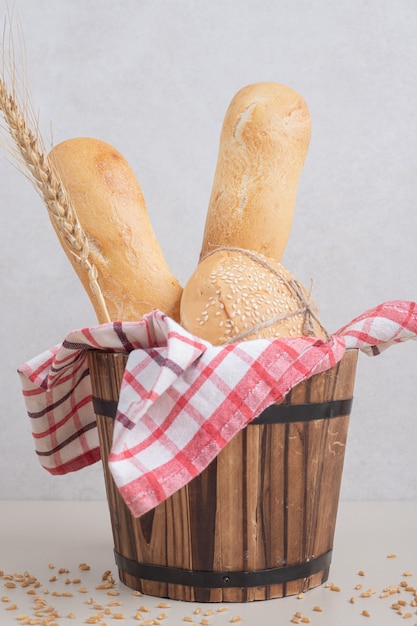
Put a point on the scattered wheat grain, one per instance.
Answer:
(84, 567)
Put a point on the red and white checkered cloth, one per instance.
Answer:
(182, 399)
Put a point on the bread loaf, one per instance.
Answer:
(132, 272)
(237, 295)
(263, 145)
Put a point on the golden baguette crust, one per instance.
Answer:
(233, 295)
(132, 272)
(263, 146)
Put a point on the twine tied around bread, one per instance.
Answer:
(304, 301)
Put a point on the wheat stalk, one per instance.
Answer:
(29, 147)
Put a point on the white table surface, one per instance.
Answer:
(34, 536)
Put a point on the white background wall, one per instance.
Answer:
(154, 78)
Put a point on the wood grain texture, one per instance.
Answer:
(269, 499)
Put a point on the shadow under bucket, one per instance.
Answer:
(259, 522)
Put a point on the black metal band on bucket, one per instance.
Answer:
(285, 413)
(107, 408)
(211, 580)
(274, 414)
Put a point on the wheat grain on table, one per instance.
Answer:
(67, 548)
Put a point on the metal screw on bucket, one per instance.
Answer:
(226, 579)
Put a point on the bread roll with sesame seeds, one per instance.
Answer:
(132, 272)
(263, 146)
(236, 295)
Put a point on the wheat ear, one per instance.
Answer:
(28, 146)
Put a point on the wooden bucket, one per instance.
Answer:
(259, 522)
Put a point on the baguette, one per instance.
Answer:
(263, 145)
(133, 275)
(236, 295)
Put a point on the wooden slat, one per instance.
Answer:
(269, 499)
